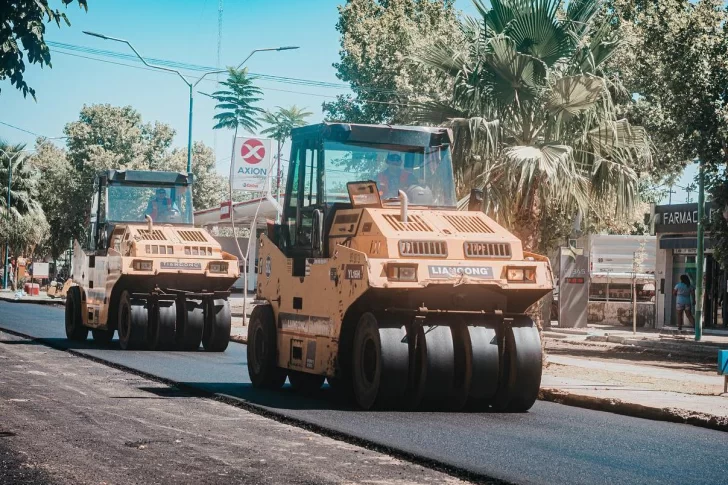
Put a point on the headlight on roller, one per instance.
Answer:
(142, 265)
(521, 275)
(515, 274)
(402, 272)
(218, 267)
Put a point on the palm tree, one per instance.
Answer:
(280, 125)
(236, 104)
(23, 184)
(533, 115)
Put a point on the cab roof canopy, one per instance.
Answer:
(144, 177)
(422, 136)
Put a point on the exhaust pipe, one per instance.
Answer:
(403, 201)
(150, 224)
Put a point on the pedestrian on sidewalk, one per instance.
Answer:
(685, 294)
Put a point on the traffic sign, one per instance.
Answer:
(252, 164)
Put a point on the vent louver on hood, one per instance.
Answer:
(468, 224)
(153, 235)
(192, 236)
(414, 223)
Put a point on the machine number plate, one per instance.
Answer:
(440, 271)
(179, 265)
(354, 272)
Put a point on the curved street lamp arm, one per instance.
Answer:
(153, 66)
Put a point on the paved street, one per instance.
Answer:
(550, 444)
(66, 419)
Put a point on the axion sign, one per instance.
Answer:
(251, 167)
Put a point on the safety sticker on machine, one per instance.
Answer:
(309, 323)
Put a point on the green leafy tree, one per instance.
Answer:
(533, 114)
(22, 28)
(210, 187)
(58, 194)
(280, 125)
(378, 38)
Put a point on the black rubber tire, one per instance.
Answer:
(485, 366)
(462, 379)
(304, 382)
(439, 367)
(162, 328)
(521, 366)
(380, 363)
(102, 336)
(190, 325)
(416, 381)
(262, 351)
(133, 322)
(75, 329)
(218, 322)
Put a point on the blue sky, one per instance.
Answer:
(183, 31)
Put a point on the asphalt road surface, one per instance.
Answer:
(550, 444)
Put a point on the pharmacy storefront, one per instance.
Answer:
(676, 229)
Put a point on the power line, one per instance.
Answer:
(30, 132)
(212, 80)
(200, 68)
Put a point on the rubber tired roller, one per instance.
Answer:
(375, 282)
(145, 270)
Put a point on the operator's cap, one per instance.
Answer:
(394, 159)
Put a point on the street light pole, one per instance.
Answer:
(187, 81)
(701, 253)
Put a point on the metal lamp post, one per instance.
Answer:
(191, 85)
(701, 252)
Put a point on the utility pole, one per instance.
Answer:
(670, 192)
(701, 253)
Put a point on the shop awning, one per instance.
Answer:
(683, 243)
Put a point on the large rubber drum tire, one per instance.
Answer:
(190, 325)
(218, 321)
(304, 382)
(485, 366)
(262, 350)
(101, 336)
(133, 322)
(380, 363)
(162, 329)
(75, 329)
(439, 366)
(520, 378)
(463, 366)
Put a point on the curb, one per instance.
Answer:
(617, 406)
(33, 302)
(241, 339)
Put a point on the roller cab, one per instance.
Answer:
(375, 282)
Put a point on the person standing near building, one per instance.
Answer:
(684, 303)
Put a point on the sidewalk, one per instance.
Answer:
(43, 298)
(654, 375)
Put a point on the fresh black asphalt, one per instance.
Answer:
(552, 443)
